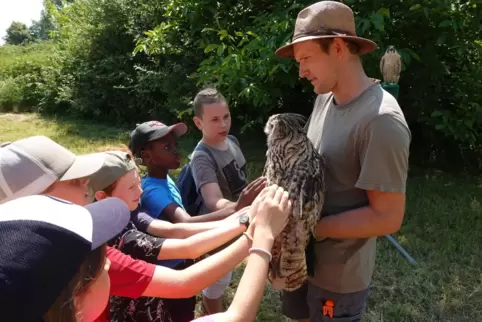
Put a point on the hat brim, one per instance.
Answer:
(179, 129)
(109, 217)
(366, 45)
(84, 166)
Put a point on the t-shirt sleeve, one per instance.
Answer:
(203, 170)
(128, 277)
(155, 200)
(384, 155)
(141, 220)
(141, 246)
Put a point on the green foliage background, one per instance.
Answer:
(126, 61)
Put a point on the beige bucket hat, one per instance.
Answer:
(325, 19)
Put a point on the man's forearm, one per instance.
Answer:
(358, 223)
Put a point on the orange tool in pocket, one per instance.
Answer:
(328, 308)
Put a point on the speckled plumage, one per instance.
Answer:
(293, 163)
(391, 66)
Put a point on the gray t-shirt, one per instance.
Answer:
(228, 171)
(365, 144)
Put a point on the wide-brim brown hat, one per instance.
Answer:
(326, 19)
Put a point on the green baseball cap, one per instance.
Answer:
(151, 131)
(116, 164)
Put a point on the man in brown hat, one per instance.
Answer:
(361, 131)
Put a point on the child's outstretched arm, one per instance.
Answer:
(270, 221)
(206, 179)
(169, 283)
(199, 244)
(213, 198)
(163, 228)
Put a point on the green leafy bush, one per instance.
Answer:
(126, 61)
(24, 72)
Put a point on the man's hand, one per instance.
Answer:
(250, 192)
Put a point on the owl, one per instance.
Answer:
(391, 66)
(294, 164)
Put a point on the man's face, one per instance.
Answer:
(318, 67)
(163, 153)
(215, 122)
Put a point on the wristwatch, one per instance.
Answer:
(244, 219)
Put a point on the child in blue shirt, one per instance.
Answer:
(156, 144)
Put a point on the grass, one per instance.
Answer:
(442, 230)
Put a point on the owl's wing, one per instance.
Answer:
(301, 200)
(398, 65)
(382, 62)
(311, 191)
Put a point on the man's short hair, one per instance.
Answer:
(206, 96)
(325, 44)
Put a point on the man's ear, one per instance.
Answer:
(99, 195)
(198, 122)
(340, 48)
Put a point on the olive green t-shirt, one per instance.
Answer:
(365, 144)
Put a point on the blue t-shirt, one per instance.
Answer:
(158, 194)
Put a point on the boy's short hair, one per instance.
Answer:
(208, 95)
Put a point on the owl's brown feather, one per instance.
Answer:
(293, 163)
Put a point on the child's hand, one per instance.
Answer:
(273, 208)
(250, 192)
(253, 209)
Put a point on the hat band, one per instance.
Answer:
(323, 32)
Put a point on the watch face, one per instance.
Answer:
(243, 219)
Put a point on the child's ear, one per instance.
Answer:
(198, 122)
(99, 195)
(144, 156)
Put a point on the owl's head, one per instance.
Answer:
(284, 126)
(390, 49)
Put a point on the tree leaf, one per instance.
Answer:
(440, 126)
(415, 7)
(210, 48)
(445, 23)
(378, 22)
(384, 12)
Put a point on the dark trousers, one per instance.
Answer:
(310, 302)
